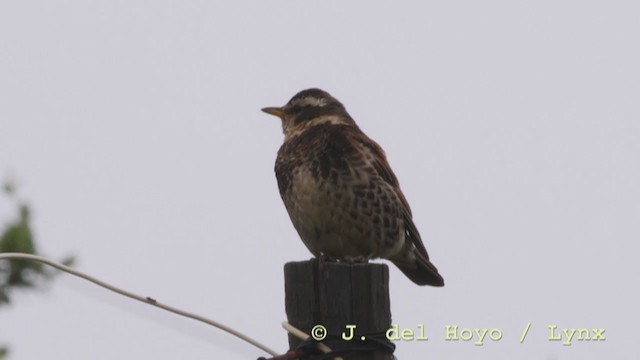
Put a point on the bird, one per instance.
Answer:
(340, 193)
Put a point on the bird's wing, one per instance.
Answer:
(381, 165)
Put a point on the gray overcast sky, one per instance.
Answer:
(134, 130)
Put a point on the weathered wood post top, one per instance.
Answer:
(342, 298)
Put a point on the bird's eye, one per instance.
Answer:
(296, 109)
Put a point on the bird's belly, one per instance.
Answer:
(334, 220)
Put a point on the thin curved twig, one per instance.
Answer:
(144, 299)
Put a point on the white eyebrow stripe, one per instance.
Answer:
(311, 101)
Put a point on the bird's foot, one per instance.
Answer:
(326, 258)
(356, 259)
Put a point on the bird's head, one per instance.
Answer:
(309, 108)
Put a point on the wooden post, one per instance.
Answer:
(335, 295)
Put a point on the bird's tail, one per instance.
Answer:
(418, 268)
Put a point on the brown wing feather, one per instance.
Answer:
(383, 169)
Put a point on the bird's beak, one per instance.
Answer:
(276, 111)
